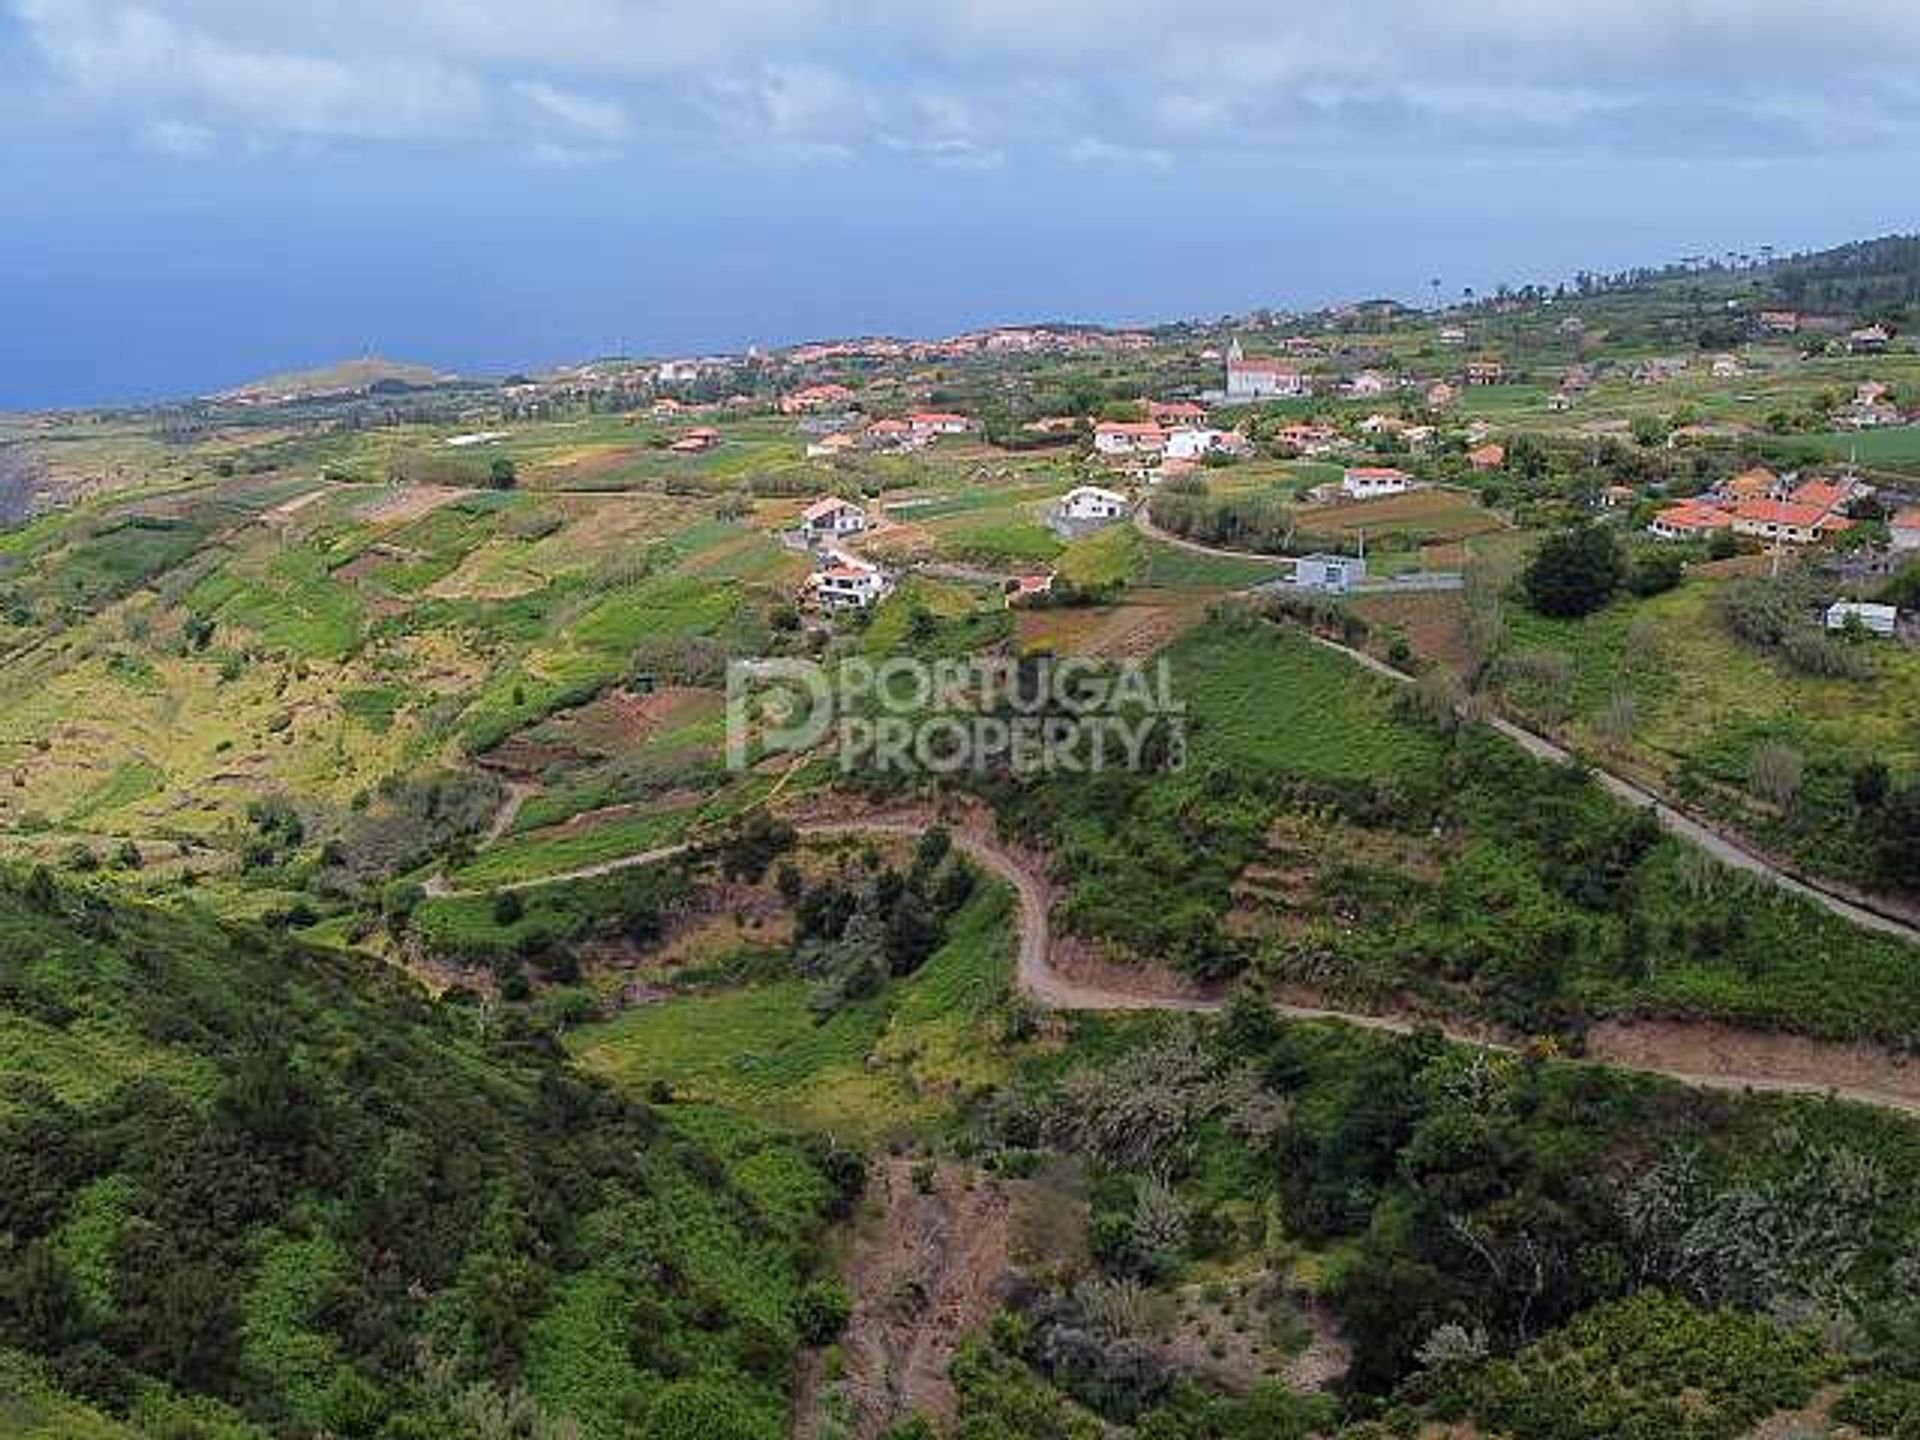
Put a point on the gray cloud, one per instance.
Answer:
(967, 82)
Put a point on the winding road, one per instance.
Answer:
(1803, 1068)
(1040, 978)
(1723, 845)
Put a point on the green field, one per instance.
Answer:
(880, 1067)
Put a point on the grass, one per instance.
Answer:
(1173, 567)
(289, 599)
(1704, 701)
(870, 1069)
(1108, 557)
(1892, 445)
(539, 853)
(1009, 543)
(1261, 698)
(129, 784)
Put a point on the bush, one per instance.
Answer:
(705, 1410)
(821, 1312)
(1654, 572)
(1574, 572)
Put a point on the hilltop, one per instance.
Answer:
(345, 377)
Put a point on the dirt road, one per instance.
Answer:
(1690, 1054)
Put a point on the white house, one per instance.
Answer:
(1369, 382)
(1370, 482)
(1090, 502)
(829, 446)
(1334, 573)
(1876, 619)
(1195, 442)
(846, 583)
(1260, 379)
(1905, 529)
(929, 423)
(1128, 437)
(831, 518)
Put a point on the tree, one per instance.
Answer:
(502, 474)
(1655, 572)
(1527, 457)
(1575, 572)
(1898, 849)
(40, 1305)
(1872, 783)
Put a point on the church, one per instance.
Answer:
(1260, 379)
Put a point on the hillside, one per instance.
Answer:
(346, 377)
(280, 1193)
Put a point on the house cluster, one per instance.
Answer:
(1149, 439)
(1005, 340)
(840, 580)
(1759, 505)
(810, 399)
(889, 436)
(1872, 406)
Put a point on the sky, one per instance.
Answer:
(197, 192)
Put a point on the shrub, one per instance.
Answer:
(1654, 572)
(821, 1312)
(1775, 773)
(1574, 572)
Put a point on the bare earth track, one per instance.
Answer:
(1702, 1056)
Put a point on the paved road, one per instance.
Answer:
(1720, 844)
(1723, 845)
(1143, 522)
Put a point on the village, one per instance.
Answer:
(1544, 815)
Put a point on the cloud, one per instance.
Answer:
(130, 58)
(970, 83)
(1092, 150)
(604, 120)
(179, 139)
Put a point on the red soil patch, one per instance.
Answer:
(1712, 1050)
(410, 502)
(1444, 514)
(1119, 632)
(1086, 962)
(1435, 625)
(925, 1272)
(622, 720)
(526, 759)
(591, 467)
